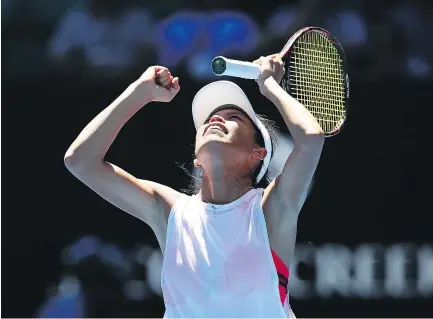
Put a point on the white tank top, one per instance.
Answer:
(218, 262)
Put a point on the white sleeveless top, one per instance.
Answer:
(218, 262)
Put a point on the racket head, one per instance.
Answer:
(316, 75)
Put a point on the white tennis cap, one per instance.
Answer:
(220, 93)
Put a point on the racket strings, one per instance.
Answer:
(315, 78)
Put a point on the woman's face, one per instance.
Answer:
(229, 134)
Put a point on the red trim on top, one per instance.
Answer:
(282, 269)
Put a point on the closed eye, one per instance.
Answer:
(236, 117)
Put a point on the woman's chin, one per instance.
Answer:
(214, 140)
(219, 146)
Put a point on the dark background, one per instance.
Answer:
(67, 252)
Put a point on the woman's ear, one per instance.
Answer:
(259, 153)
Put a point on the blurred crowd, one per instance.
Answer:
(113, 37)
(102, 279)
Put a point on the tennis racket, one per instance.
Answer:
(315, 74)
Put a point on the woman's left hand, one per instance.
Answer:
(270, 67)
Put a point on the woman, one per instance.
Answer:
(219, 243)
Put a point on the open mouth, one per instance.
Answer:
(215, 127)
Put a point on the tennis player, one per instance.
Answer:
(223, 245)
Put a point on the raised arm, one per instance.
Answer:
(285, 196)
(148, 201)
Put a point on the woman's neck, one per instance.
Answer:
(225, 189)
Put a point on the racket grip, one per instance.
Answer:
(240, 69)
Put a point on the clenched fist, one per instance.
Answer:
(159, 83)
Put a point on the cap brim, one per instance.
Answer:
(216, 94)
(219, 93)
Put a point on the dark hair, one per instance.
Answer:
(196, 173)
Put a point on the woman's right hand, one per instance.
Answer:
(159, 84)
